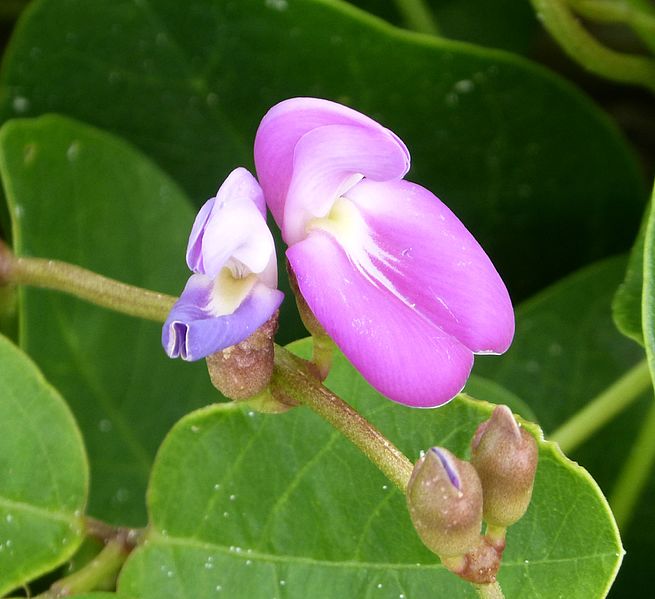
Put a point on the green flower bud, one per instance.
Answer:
(505, 456)
(444, 497)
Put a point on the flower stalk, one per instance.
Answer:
(292, 379)
(84, 284)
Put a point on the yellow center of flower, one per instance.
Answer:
(345, 223)
(230, 289)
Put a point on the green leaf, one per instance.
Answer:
(566, 351)
(520, 155)
(83, 196)
(44, 482)
(256, 505)
(490, 391)
(627, 304)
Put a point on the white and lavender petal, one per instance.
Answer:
(192, 331)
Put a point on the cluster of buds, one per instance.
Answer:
(449, 498)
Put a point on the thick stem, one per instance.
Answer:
(292, 380)
(106, 564)
(86, 285)
(636, 471)
(603, 408)
(580, 45)
(418, 16)
(489, 591)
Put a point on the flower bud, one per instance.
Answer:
(444, 497)
(244, 370)
(505, 457)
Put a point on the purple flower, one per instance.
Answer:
(393, 276)
(233, 292)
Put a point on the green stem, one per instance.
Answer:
(293, 381)
(609, 11)
(635, 472)
(107, 563)
(489, 591)
(86, 285)
(600, 410)
(580, 45)
(418, 16)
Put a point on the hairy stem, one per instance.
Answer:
(635, 472)
(292, 380)
(489, 591)
(600, 410)
(86, 285)
(580, 45)
(106, 564)
(418, 16)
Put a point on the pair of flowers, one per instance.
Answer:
(396, 280)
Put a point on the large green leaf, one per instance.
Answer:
(566, 351)
(44, 481)
(83, 196)
(520, 155)
(285, 506)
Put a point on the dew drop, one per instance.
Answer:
(105, 425)
(72, 153)
(380, 585)
(464, 86)
(280, 5)
(217, 486)
(194, 428)
(21, 104)
(233, 497)
(219, 588)
(9, 518)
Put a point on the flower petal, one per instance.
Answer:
(429, 259)
(281, 129)
(191, 332)
(233, 225)
(328, 161)
(403, 355)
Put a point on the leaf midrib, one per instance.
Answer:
(155, 537)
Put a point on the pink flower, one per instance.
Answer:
(393, 276)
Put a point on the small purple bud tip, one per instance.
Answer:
(444, 497)
(449, 467)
